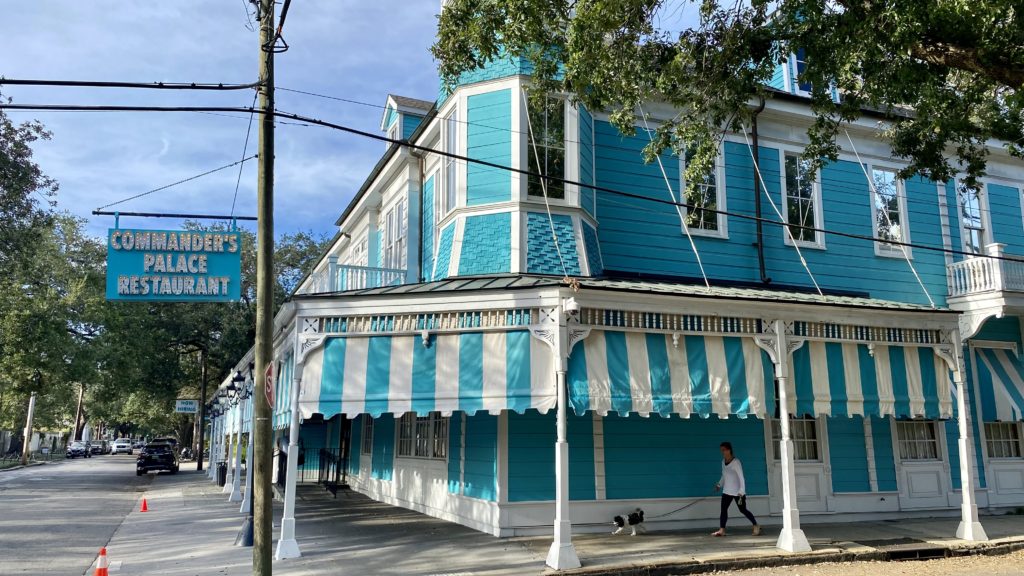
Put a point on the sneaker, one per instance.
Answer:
(757, 530)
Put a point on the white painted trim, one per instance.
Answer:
(869, 448)
(501, 459)
(599, 470)
(518, 246)
(947, 238)
(581, 249)
(460, 231)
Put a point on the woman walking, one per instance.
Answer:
(733, 487)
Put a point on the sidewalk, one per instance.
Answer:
(191, 528)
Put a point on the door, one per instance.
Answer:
(1005, 465)
(811, 483)
(922, 471)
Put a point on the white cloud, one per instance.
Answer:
(353, 49)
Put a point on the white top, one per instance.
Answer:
(732, 482)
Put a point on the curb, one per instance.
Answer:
(685, 568)
(19, 467)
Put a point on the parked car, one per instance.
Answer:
(169, 440)
(78, 449)
(98, 447)
(159, 456)
(121, 446)
(138, 444)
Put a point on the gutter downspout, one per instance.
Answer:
(757, 194)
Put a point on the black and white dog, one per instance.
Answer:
(635, 521)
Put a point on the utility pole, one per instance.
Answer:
(28, 430)
(201, 414)
(262, 497)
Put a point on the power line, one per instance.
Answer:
(176, 183)
(245, 149)
(149, 85)
(426, 149)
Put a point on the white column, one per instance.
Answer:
(562, 554)
(214, 446)
(247, 499)
(230, 422)
(970, 527)
(792, 538)
(287, 547)
(236, 479)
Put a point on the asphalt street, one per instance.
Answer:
(55, 518)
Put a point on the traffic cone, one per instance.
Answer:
(144, 507)
(101, 563)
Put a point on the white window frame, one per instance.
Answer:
(366, 438)
(422, 437)
(1009, 442)
(720, 200)
(396, 236)
(983, 209)
(819, 213)
(798, 427)
(358, 252)
(448, 193)
(797, 89)
(908, 449)
(395, 132)
(882, 248)
(569, 192)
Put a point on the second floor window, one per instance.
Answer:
(396, 227)
(357, 253)
(547, 145)
(446, 201)
(972, 221)
(800, 59)
(705, 199)
(889, 209)
(801, 201)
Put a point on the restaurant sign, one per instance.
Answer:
(174, 265)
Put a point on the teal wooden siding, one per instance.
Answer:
(1006, 329)
(593, 247)
(846, 264)
(489, 137)
(383, 464)
(848, 455)
(481, 474)
(312, 437)
(410, 122)
(778, 79)
(677, 458)
(427, 231)
(390, 117)
(455, 453)
(501, 67)
(444, 252)
(885, 461)
(586, 140)
(1007, 226)
(542, 256)
(531, 456)
(355, 445)
(486, 244)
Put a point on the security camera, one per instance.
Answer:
(571, 305)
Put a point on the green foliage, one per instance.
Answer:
(947, 73)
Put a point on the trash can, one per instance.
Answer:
(222, 473)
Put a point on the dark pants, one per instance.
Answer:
(741, 503)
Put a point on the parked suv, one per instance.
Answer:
(157, 456)
(98, 447)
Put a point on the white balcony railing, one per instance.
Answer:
(979, 275)
(342, 277)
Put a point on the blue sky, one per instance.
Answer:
(354, 49)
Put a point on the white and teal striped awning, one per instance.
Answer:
(617, 371)
(1000, 384)
(396, 374)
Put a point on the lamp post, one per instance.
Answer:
(245, 534)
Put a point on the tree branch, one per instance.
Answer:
(969, 60)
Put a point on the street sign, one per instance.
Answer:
(186, 406)
(174, 265)
(269, 384)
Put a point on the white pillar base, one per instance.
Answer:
(563, 556)
(228, 483)
(287, 547)
(236, 494)
(971, 531)
(793, 540)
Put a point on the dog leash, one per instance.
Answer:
(680, 509)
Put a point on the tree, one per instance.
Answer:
(947, 74)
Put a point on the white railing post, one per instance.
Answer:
(332, 273)
(996, 250)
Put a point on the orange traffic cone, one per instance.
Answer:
(101, 563)
(144, 507)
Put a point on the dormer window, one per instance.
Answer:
(800, 67)
(547, 146)
(394, 133)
